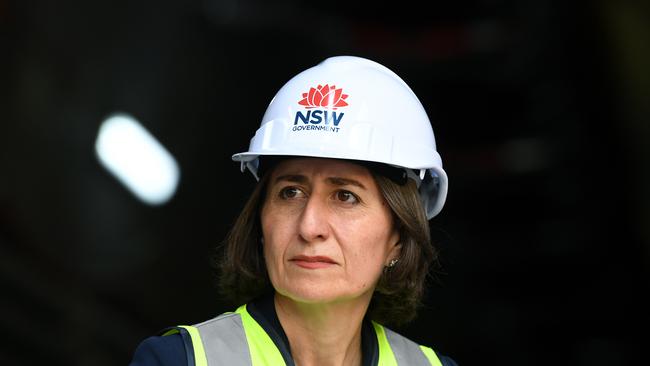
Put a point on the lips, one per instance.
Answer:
(312, 262)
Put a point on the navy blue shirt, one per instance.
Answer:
(172, 350)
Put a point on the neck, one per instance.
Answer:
(323, 334)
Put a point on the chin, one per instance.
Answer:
(310, 294)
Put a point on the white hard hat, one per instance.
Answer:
(352, 108)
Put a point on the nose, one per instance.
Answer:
(313, 223)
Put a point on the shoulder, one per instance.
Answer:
(160, 351)
(447, 361)
(432, 355)
(408, 346)
(174, 349)
(220, 320)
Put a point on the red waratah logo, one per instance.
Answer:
(324, 96)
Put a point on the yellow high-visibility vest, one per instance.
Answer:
(236, 339)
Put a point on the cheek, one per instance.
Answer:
(275, 232)
(368, 245)
(268, 221)
(373, 233)
(273, 259)
(272, 250)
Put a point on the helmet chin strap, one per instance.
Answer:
(418, 178)
(251, 166)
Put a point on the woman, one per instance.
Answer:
(334, 240)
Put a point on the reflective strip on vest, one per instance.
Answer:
(396, 350)
(262, 349)
(236, 339)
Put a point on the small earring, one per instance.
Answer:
(262, 240)
(392, 263)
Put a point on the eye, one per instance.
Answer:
(290, 192)
(347, 197)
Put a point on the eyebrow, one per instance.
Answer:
(336, 181)
(296, 178)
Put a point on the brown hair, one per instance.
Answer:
(243, 275)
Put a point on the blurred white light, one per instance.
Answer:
(127, 150)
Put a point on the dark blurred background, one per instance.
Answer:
(540, 109)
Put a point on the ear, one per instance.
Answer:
(395, 246)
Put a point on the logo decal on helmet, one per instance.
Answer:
(317, 102)
(324, 96)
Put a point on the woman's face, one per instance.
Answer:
(328, 232)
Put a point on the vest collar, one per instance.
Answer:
(263, 311)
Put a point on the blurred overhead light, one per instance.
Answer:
(127, 150)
